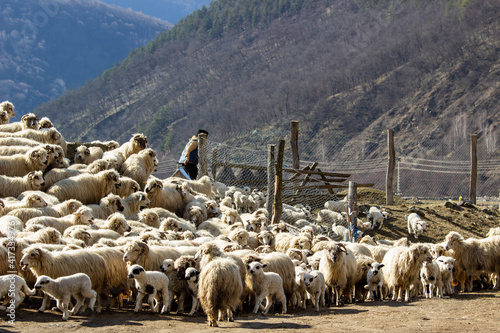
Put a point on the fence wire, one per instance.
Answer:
(442, 172)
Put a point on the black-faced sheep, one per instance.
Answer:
(63, 288)
(87, 188)
(375, 281)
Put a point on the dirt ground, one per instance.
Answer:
(475, 311)
(465, 312)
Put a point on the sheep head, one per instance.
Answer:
(452, 240)
(335, 251)
(117, 223)
(30, 121)
(35, 201)
(31, 257)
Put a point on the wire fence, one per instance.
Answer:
(437, 172)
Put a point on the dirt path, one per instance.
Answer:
(477, 311)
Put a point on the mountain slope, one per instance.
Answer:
(48, 47)
(343, 68)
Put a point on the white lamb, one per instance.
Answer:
(16, 294)
(446, 267)
(150, 282)
(416, 226)
(431, 279)
(337, 205)
(192, 278)
(376, 217)
(266, 285)
(315, 287)
(63, 288)
(375, 280)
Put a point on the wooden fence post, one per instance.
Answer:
(214, 164)
(352, 209)
(278, 185)
(473, 168)
(270, 178)
(294, 143)
(202, 155)
(389, 180)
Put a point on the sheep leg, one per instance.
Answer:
(230, 315)
(282, 299)
(138, 302)
(151, 302)
(269, 301)
(258, 301)
(43, 307)
(78, 305)
(407, 294)
(194, 306)
(166, 301)
(64, 309)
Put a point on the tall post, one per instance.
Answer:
(473, 168)
(278, 185)
(389, 180)
(270, 178)
(352, 211)
(294, 143)
(214, 164)
(202, 154)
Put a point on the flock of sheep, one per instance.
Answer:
(102, 231)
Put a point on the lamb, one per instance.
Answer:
(62, 209)
(108, 205)
(266, 285)
(164, 196)
(117, 157)
(8, 107)
(28, 121)
(4, 117)
(140, 166)
(416, 226)
(19, 165)
(57, 264)
(300, 296)
(375, 281)
(330, 218)
(31, 201)
(219, 289)
(401, 268)
(134, 203)
(178, 287)
(63, 288)
(192, 278)
(16, 294)
(376, 217)
(337, 205)
(87, 155)
(315, 287)
(338, 266)
(150, 282)
(430, 277)
(83, 216)
(446, 270)
(475, 256)
(87, 188)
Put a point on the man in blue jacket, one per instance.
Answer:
(189, 156)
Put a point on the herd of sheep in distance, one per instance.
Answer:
(100, 232)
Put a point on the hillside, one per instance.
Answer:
(49, 47)
(344, 69)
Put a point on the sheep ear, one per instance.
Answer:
(264, 265)
(381, 265)
(34, 153)
(369, 265)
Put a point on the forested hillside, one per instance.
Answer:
(48, 47)
(428, 69)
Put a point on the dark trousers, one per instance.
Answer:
(192, 170)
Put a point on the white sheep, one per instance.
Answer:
(63, 288)
(266, 285)
(108, 205)
(150, 257)
(177, 286)
(8, 107)
(202, 185)
(337, 205)
(152, 283)
(48, 135)
(430, 276)
(14, 287)
(375, 281)
(117, 157)
(127, 187)
(315, 287)
(376, 217)
(446, 268)
(28, 121)
(19, 165)
(62, 209)
(140, 166)
(4, 117)
(416, 226)
(87, 188)
(33, 200)
(330, 218)
(401, 269)
(167, 197)
(87, 155)
(475, 256)
(57, 264)
(134, 203)
(58, 174)
(83, 216)
(219, 289)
